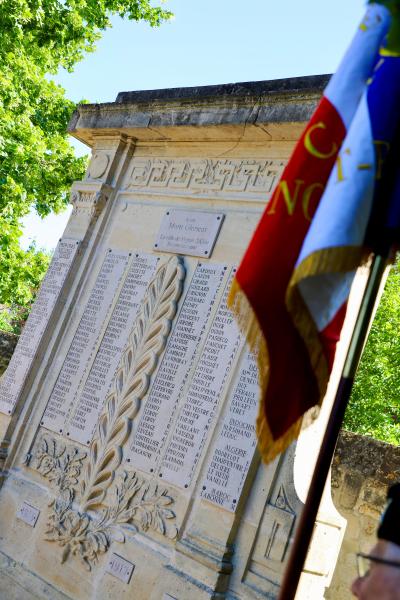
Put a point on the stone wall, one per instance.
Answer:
(8, 341)
(363, 469)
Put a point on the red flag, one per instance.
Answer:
(292, 380)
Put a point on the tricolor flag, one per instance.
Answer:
(291, 289)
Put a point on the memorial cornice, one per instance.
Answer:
(221, 111)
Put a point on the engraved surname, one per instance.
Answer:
(14, 378)
(197, 413)
(172, 376)
(85, 339)
(235, 445)
(101, 374)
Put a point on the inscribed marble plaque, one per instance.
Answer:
(202, 398)
(28, 513)
(13, 380)
(235, 445)
(84, 342)
(120, 567)
(102, 372)
(172, 376)
(189, 232)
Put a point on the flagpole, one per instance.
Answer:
(308, 516)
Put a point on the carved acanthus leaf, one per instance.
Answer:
(140, 358)
(136, 505)
(60, 464)
(91, 203)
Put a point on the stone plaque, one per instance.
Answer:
(172, 376)
(82, 349)
(234, 447)
(28, 513)
(101, 374)
(14, 378)
(198, 409)
(189, 232)
(120, 568)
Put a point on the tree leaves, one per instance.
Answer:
(20, 275)
(374, 408)
(37, 163)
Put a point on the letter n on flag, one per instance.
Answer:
(291, 288)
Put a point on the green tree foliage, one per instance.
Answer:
(20, 274)
(37, 163)
(374, 407)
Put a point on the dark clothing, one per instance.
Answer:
(389, 528)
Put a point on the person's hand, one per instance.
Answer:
(382, 581)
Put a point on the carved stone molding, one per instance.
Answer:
(269, 553)
(205, 176)
(135, 505)
(95, 507)
(140, 358)
(210, 553)
(89, 202)
(98, 165)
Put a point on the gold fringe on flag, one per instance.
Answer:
(268, 446)
(342, 259)
(330, 260)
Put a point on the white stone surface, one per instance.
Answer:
(172, 378)
(91, 398)
(29, 514)
(85, 341)
(14, 378)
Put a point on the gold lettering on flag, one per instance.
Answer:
(309, 146)
(289, 200)
(339, 165)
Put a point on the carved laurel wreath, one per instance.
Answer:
(87, 516)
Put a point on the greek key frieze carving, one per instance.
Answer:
(206, 175)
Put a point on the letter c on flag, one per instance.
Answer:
(310, 146)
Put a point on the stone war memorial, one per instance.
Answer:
(129, 466)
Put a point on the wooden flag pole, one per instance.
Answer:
(308, 516)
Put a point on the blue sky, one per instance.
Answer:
(208, 42)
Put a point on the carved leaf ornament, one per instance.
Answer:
(86, 528)
(140, 358)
